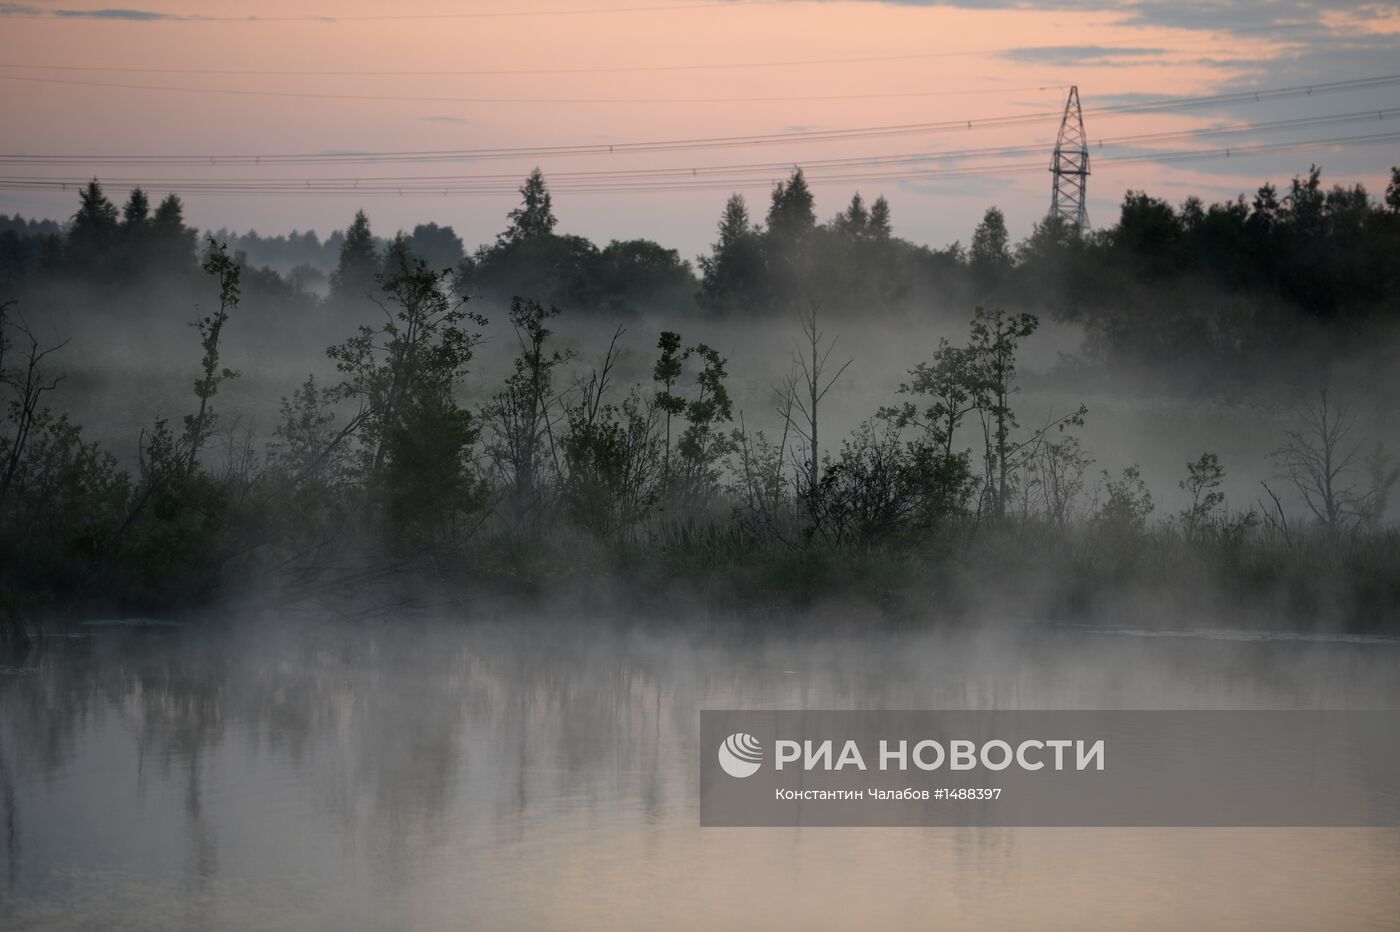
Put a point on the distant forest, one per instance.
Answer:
(1244, 277)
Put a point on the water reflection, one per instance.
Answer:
(305, 775)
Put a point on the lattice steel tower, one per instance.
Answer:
(1070, 166)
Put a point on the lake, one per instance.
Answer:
(531, 774)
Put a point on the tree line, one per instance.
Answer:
(1248, 276)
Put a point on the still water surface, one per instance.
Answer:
(533, 776)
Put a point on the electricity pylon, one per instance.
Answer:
(1070, 166)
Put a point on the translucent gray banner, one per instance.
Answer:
(1025, 768)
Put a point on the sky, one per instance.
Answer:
(258, 78)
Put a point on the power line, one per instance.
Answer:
(712, 142)
(766, 169)
(350, 187)
(483, 72)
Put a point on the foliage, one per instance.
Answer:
(440, 247)
(200, 425)
(992, 357)
(694, 479)
(520, 417)
(430, 488)
(1125, 510)
(61, 496)
(1202, 483)
(612, 457)
(530, 259)
(879, 489)
(410, 363)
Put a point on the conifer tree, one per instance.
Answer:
(880, 219)
(172, 244)
(991, 252)
(137, 210)
(353, 278)
(94, 228)
(535, 215)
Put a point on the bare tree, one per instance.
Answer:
(765, 496)
(25, 381)
(804, 389)
(1321, 460)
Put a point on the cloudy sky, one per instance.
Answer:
(975, 87)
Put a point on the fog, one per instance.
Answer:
(126, 366)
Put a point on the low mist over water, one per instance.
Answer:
(317, 775)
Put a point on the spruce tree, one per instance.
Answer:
(135, 230)
(990, 257)
(137, 210)
(791, 215)
(879, 225)
(353, 278)
(172, 244)
(94, 229)
(854, 221)
(535, 215)
(731, 274)
(791, 220)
